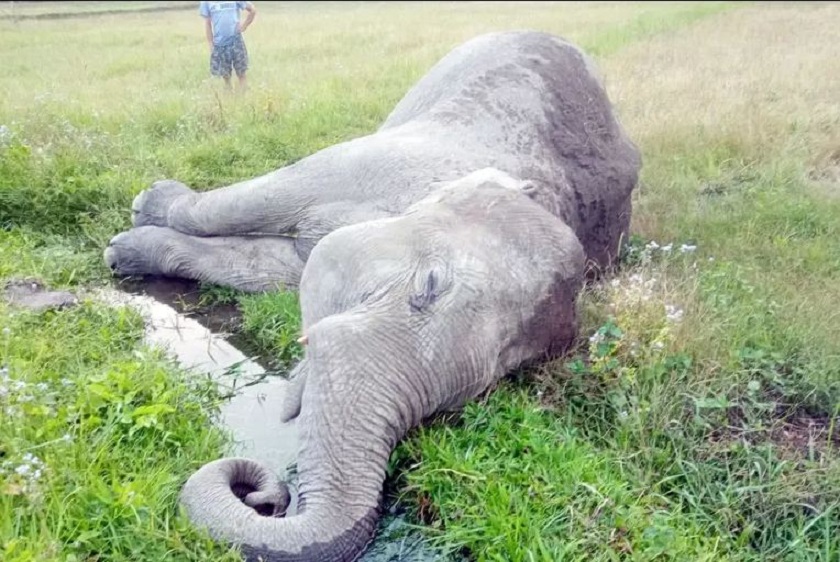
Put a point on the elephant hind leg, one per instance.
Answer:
(151, 207)
(251, 264)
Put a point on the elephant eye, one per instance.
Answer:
(428, 294)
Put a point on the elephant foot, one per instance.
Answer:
(135, 252)
(251, 264)
(151, 207)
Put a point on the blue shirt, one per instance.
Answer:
(224, 17)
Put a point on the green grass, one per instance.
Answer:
(698, 423)
(96, 435)
(513, 481)
(272, 322)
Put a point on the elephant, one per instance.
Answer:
(432, 257)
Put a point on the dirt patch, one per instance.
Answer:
(806, 437)
(32, 294)
(726, 186)
(797, 436)
(827, 179)
(825, 171)
(800, 431)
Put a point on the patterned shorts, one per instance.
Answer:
(225, 58)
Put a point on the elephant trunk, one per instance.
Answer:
(353, 413)
(240, 501)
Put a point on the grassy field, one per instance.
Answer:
(696, 420)
(59, 10)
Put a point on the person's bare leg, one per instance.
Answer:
(243, 82)
(227, 83)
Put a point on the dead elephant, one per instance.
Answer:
(432, 257)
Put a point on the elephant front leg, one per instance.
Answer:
(251, 264)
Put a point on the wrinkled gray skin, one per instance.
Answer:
(432, 257)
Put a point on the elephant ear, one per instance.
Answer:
(428, 285)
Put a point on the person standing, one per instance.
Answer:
(224, 29)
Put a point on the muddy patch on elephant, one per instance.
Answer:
(205, 338)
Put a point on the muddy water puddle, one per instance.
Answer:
(203, 339)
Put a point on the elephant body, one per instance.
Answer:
(432, 257)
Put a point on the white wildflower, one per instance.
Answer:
(686, 248)
(658, 345)
(42, 386)
(672, 313)
(667, 248)
(29, 471)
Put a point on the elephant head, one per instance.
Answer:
(404, 317)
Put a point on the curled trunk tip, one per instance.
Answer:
(242, 502)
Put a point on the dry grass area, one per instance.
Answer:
(123, 65)
(58, 10)
(747, 97)
(764, 81)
